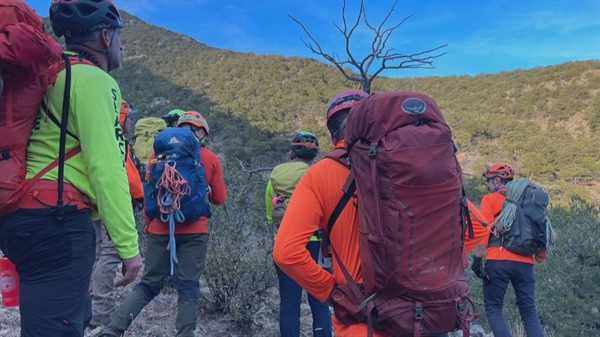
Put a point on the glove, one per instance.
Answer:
(478, 269)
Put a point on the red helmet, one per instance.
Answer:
(125, 116)
(195, 118)
(73, 17)
(344, 100)
(502, 170)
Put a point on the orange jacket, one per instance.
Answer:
(481, 229)
(313, 201)
(216, 196)
(133, 176)
(491, 205)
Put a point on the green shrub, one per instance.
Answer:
(239, 265)
(567, 283)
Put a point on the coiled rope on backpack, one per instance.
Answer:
(514, 192)
(171, 186)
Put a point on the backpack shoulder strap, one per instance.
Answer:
(58, 67)
(339, 154)
(63, 155)
(349, 188)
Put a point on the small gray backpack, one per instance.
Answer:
(523, 226)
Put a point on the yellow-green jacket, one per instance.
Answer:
(98, 170)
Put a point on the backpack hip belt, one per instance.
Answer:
(43, 194)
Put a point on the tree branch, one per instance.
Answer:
(252, 169)
(410, 61)
(319, 51)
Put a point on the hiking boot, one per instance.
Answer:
(99, 321)
(110, 332)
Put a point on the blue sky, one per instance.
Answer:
(482, 36)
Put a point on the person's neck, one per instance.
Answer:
(95, 57)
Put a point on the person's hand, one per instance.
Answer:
(541, 256)
(131, 268)
(478, 269)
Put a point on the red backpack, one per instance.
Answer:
(29, 62)
(412, 219)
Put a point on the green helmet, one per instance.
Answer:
(176, 112)
(172, 116)
(305, 145)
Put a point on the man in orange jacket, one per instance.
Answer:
(107, 264)
(314, 199)
(191, 239)
(503, 266)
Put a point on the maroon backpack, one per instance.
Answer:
(27, 55)
(412, 219)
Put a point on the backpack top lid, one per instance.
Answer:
(285, 177)
(149, 126)
(17, 11)
(373, 117)
(26, 49)
(177, 141)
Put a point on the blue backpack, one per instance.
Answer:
(177, 186)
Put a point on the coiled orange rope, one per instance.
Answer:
(173, 187)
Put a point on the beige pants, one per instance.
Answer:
(103, 277)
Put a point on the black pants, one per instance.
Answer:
(54, 260)
(521, 276)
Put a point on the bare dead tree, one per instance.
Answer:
(379, 51)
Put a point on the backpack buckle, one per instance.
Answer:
(419, 312)
(373, 151)
(4, 155)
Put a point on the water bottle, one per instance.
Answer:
(9, 283)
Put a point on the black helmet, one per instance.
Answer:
(74, 17)
(305, 145)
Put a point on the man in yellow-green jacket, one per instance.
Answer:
(53, 247)
(282, 182)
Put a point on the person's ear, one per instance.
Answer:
(105, 38)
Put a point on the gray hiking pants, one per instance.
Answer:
(191, 253)
(103, 277)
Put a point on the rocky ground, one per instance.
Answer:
(158, 320)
